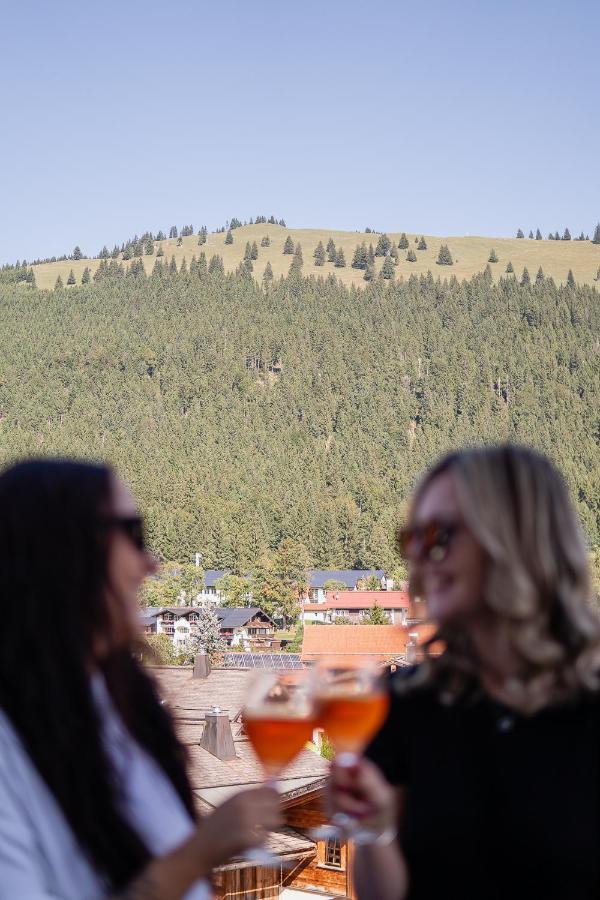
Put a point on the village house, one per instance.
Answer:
(318, 581)
(245, 628)
(207, 714)
(355, 605)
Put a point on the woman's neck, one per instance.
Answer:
(498, 662)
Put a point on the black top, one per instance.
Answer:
(498, 805)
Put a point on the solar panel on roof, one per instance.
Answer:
(262, 661)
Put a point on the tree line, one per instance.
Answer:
(245, 417)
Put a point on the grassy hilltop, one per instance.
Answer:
(470, 255)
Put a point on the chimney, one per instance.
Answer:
(201, 665)
(217, 737)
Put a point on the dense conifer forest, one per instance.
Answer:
(244, 415)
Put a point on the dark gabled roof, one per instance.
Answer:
(211, 576)
(234, 617)
(318, 577)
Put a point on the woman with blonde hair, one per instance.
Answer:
(484, 781)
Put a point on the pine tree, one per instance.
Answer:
(539, 278)
(247, 251)
(207, 636)
(360, 261)
(58, 284)
(509, 267)
(254, 250)
(371, 256)
(202, 236)
(411, 256)
(160, 251)
(215, 266)
(331, 251)
(340, 259)
(571, 279)
(160, 236)
(183, 266)
(383, 245)
(319, 254)
(266, 241)
(445, 257)
(493, 258)
(194, 265)
(531, 235)
(115, 252)
(173, 266)
(173, 232)
(567, 235)
(202, 266)
(71, 278)
(229, 237)
(376, 616)
(298, 260)
(538, 235)
(86, 277)
(422, 244)
(550, 236)
(596, 238)
(158, 267)
(127, 252)
(387, 269)
(288, 247)
(581, 237)
(403, 242)
(556, 236)
(104, 254)
(77, 254)
(369, 273)
(520, 234)
(149, 248)
(101, 271)
(393, 254)
(179, 241)
(525, 279)
(268, 274)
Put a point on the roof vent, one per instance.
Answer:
(217, 737)
(201, 665)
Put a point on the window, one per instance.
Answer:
(333, 853)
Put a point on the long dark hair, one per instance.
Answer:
(53, 579)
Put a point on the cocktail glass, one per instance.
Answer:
(279, 718)
(352, 704)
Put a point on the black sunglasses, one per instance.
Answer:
(132, 526)
(431, 541)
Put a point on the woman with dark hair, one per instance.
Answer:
(484, 782)
(94, 796)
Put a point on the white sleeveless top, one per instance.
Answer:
(40, 858)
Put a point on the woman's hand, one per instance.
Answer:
(240, 823)
(360, 790)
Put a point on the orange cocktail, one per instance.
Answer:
(277, 739)
(352, 719)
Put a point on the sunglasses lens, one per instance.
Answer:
(136, 534)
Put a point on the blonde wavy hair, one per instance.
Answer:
(537, 584)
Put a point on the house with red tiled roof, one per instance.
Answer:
(355, 605)
(386, 643)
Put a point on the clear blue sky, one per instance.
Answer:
(440, 117)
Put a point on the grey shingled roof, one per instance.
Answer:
(236, 617)
(318, 577)
(211, 576)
